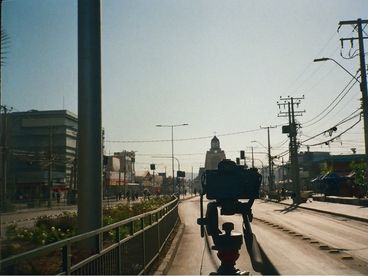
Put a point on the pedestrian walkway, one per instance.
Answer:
(345, 210)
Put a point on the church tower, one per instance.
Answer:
(215, 155)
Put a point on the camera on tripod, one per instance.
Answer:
(231, 182)
(225, 187)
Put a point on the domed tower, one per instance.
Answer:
(215, 143)
(215, 155)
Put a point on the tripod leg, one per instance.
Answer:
(252, 245)
(212, 219)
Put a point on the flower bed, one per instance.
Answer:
(51, 229)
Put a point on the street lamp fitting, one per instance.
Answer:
(342, 67)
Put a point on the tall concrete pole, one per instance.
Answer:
(172, 149)
(357, 24)
(2, 151)
(89, 118)
(172, 158)
(270, 169)
(4, 159)
(270, 173)
(49, 175)
(363, 84)
(294, 151)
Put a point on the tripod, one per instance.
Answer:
(228, 244)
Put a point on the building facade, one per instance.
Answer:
(119, 172)
(41, 157)
(214, 155)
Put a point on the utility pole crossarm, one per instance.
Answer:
(352, 38)
(352, 22)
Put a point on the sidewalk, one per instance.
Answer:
(345, 210)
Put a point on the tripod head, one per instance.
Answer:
(225, 187)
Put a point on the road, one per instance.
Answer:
(296, 242)
(28, 217)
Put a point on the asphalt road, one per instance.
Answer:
(28, 217)
(296, 241)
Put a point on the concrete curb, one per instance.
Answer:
(324, 211)
(187, 198)
(170, 255)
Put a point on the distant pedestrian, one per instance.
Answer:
(283, 193)
(58, 197)
(145, 193)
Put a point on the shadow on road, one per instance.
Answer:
(268, 268)
(288, 209)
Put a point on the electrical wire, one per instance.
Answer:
(281, 144)
(348, 118)
(303, 72)
(305, 125)
(183, 139)
(337, 136)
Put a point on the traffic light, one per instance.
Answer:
(242, 154)
(180, 174)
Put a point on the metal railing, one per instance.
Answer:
(126, 247)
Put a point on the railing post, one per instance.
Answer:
(143, 242)
(131, 228)
(67, 258)
(99, 241)
(117, 239)
(158, 220)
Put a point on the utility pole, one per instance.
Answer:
(2, 133)
(191, 184)
(4, 158)
(50, 161)
(125, 171)
(283, 171)
(357, 25)
(270, 169)
(291, 129)
(90, 152)
(252, 158)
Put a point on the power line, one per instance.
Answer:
(337, 136)
(306, 124)
(303, 72)
(334, 128)
(182, 139)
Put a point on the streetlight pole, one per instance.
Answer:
(357, 25)
(172, 149)
(363, 88)
(270, 169)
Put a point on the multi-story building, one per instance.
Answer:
(119, 172)
(41, 154)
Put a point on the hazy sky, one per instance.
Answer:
(219, 66)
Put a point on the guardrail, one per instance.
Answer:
(126, 247)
